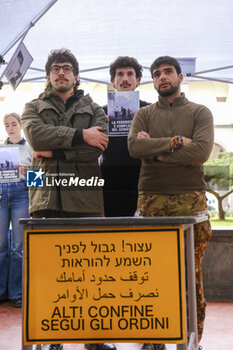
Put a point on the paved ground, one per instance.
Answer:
(218, 333)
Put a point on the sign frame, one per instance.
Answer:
(186, 222)
(119, 233)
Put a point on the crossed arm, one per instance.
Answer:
(195, 149)
(46, 139)
(172, 143)
(92, 136)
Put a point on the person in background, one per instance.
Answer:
(174, 137)
(14, 204)
(67, 132)
(120, 171)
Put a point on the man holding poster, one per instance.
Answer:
(119, 170)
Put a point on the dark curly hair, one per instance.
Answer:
(60, 56)
(171, 61)
(125, 61)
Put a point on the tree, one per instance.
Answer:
(219, 177)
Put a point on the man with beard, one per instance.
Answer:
(67, 132)
(174, 137)
(119, 170)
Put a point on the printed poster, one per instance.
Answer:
(122, 106)
(9, 164)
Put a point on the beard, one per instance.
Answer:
(171, 91)
(62, 88)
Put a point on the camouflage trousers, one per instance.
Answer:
(186, 204)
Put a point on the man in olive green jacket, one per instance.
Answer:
(67, 132)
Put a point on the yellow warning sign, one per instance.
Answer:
(101, 285)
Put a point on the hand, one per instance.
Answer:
(94, 137)
(38, 155)
(173, 142)
(143, 134)
(23, 169)
(187, 141)
(160, 157)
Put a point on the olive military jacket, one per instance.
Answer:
(70, 183)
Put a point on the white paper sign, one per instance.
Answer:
(18, 65)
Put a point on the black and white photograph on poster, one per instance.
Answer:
(122, 105)
(9, 164)
(18, 65)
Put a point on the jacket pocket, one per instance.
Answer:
(82, 118)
